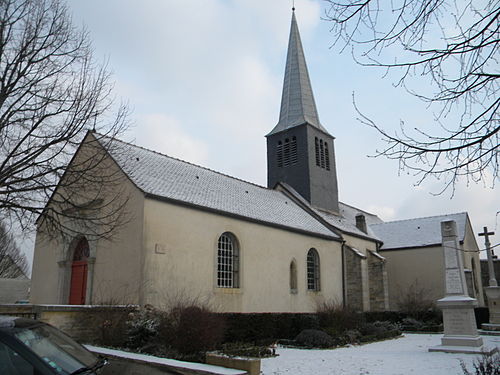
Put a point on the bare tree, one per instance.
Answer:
(453, 44)
(13, 263)
(52, 92)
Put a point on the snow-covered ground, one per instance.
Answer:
(407, 355)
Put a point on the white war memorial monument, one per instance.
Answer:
(460, 332)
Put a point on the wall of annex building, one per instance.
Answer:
(414, 270)
(114, 264)
(181, 262)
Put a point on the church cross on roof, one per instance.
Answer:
(297, 101)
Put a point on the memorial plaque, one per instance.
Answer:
(454, 282)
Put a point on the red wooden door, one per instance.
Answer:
(78, 285)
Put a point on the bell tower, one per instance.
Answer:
(300, 150)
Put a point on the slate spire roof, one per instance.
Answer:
(297, 101)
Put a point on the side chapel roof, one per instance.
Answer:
(297, 101)
(418, 232)
(166, 178)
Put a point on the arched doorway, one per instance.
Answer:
(79, 269)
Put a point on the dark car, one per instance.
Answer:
(30, 347)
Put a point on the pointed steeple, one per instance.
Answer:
(297, 100)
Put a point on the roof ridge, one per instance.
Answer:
(419, 218)
(359, 209)
(183, 161)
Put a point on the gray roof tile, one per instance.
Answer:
(165, 177)
(419, 232)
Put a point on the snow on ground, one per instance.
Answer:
(407, 355)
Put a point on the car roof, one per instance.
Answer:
(10, 322)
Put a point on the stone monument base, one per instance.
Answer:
(486, 350)
(490, 329)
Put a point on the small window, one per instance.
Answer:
(313, 269)
(228, 261)
(293, 276)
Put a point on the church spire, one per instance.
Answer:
(297, 100)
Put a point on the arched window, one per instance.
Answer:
(293, 276)
(228, 261)
(279, 154)
(313, 269)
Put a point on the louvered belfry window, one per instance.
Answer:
(286, 152)
(322, 154)
(228, 262)
(313, 271)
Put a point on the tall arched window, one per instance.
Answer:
(228, 261)
(313, 271)
(293, 276)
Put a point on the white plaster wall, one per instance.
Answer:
(118, 261)
(422, 267)
(187, 269)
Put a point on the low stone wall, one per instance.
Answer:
(250, 365)
(86, 324)
(14, 290)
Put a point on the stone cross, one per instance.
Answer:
(491, 269)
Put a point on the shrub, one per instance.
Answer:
(246, 350)
(485, 365)
(314, 338)
(415, 302)
(192, 329)
(337, 319)
(143, 329)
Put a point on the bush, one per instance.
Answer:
(143, 329)
(337, 319)
(415, 303)
(246, 350)
(314, 338)
(486, 365)
(192, 329)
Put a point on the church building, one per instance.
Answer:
(196, 233)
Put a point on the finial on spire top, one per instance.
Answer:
(293, 5)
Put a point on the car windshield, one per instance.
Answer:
(61, 352)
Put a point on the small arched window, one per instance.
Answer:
(228, 261)
(293, 276)
(313, 271)
(82, 250)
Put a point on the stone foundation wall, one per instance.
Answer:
(85, 324)
(354, 280)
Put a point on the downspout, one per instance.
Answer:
(344, 293)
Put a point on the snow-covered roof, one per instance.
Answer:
(163, 177)
(346, 220)
(419, 232)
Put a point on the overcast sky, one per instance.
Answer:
(204, 80)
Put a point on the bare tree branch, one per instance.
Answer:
(456, 45)
(51, 94)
